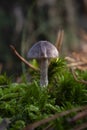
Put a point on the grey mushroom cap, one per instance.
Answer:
(43, 49)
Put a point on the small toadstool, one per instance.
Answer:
(43, 51)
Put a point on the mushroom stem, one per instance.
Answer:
(44, 72)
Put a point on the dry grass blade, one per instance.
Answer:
(74, 63)
(22, 59)
(69, 59)
(43, 121)
(59, 39)
(80, 56)
(77, 61)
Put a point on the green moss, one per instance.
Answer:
(26, 103)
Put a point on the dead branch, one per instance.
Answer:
(43, 121)
(81, 127)
(22, 59)
(79, 116)
(49, 127)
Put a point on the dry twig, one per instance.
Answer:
(22, 59)
(49, 127)
(44, 121)
(79, 116)
(81, 127)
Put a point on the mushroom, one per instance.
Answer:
(43, 51)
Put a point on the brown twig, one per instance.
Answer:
(81, 127)
(22, 59)
(79, 116)
(43, 121)
(49, 127)
(75, 77)
(59, 39)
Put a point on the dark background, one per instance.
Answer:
(24, 22)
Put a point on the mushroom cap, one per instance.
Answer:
(43, 49)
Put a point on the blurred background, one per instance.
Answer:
(24, 22)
